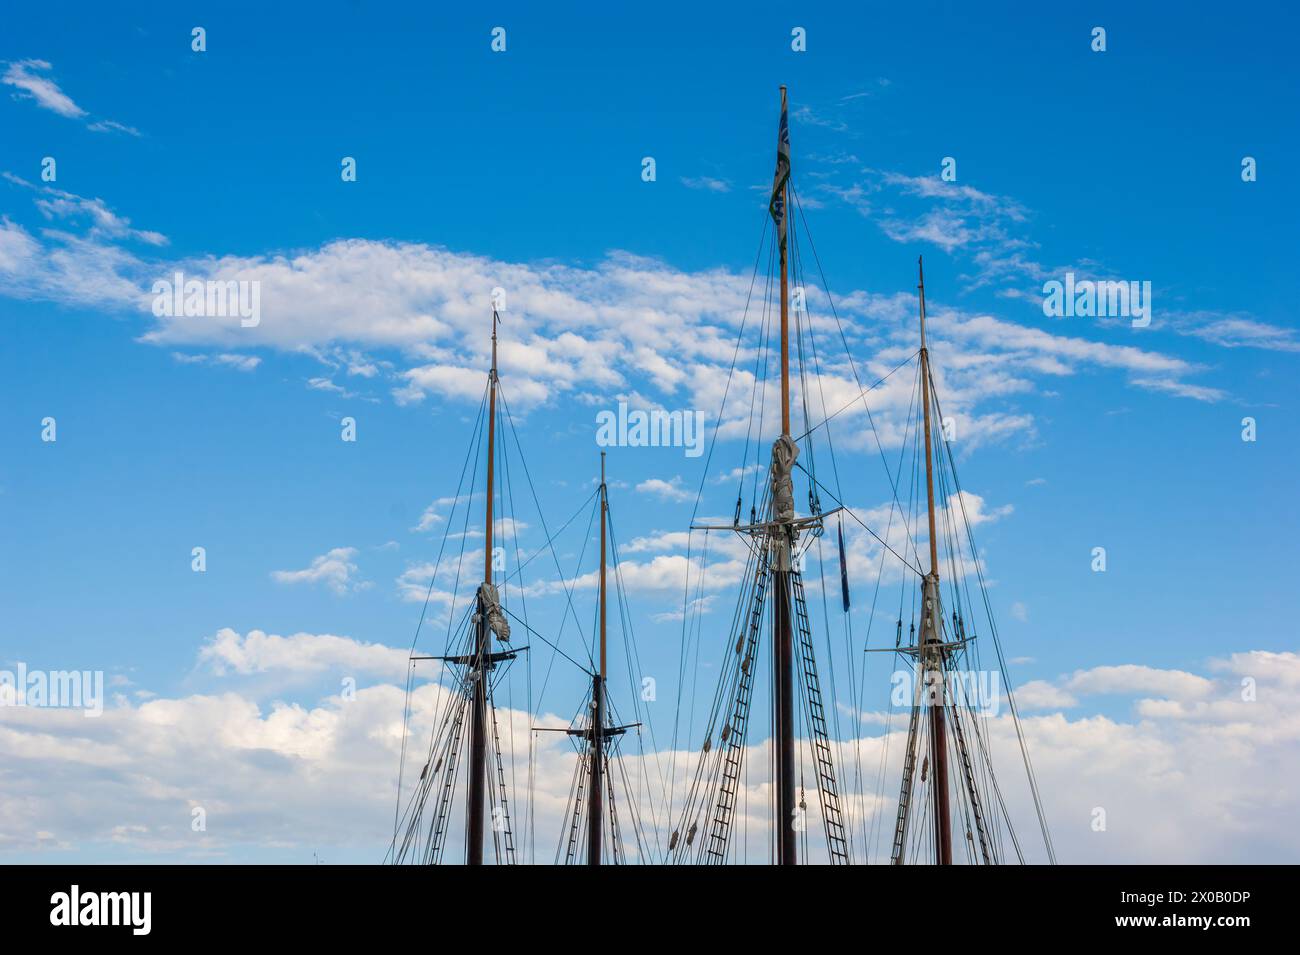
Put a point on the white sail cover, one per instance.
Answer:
(496, 618)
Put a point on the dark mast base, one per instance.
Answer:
(783, 660)
(596, 807)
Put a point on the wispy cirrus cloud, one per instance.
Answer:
(990, 231)
(875, 89)
(32, 80)
(28, 77)
(112, 126)
(950, 215)
(237, 362)
(1235, 330)
(813, 117)
(60, 205)
(709, 183)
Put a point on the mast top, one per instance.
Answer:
(778, 207)
(925, 402)
(920, 272)
(495, 318)
(491, 451)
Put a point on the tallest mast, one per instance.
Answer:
(782, 533)
(488, 615)
(772, 597)
(931, 641)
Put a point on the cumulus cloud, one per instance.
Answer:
(1043, 695)
(1127, 679)
(432, 516)
(299, 653)
(335, 568)
(1130, 678)
(1216, 781)
(670, 490)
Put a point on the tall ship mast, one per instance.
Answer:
(727, 809)
(466, 734)
(604, 820)
(774, 604)
(469, 774)
(929, 652)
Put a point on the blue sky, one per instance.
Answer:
(523, 169)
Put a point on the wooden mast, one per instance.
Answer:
(483, 649)
(595, 795)
(785, 307)
(783, 534)
(492, 422)
(931, 649)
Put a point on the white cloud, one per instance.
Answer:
(951, 215)
(1236, 331)
(29, 79)
(1130, 679)
(300, 653)
(320, 383)
(670, 490)
(105, 224)
(692, 608)
(807, 115)
(588, 334)
(1218, 784)
(707, 183)
(335, 569)
(657, 542)
(737, 473)
(1176, 686)
(237, 362)
(667, 574)
(941, 228)
(25, 75)
(1182, 389)
(428, 520)
(991, 232)
(459, 574)
(933, 187)
(112, 126)
(1042, 695)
